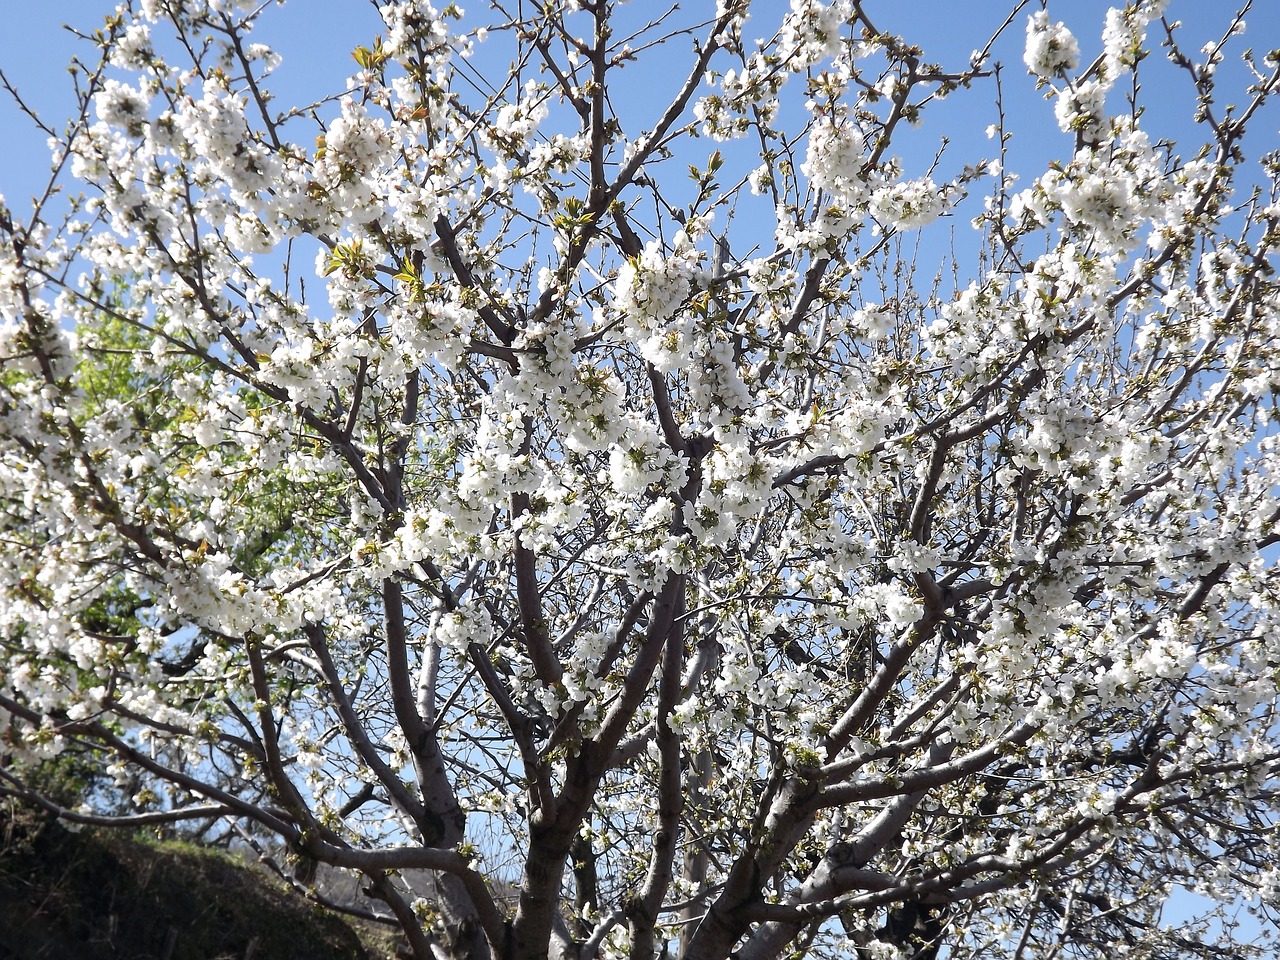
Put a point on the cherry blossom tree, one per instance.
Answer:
(592, 498)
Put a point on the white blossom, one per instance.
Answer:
(1051, 48)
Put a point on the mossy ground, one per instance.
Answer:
(96, 894)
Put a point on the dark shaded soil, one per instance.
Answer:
(104, 896)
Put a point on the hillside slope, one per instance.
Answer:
(102, 896)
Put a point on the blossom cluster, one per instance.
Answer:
(465, 460)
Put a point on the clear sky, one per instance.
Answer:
(315, 38)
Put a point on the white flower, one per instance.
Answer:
(1121, 39)
(873, 322)
(908, 204)
(1081, 110)
(834, 158)
(760, 179)
(901, 610)
(133, 49)
(1051, 49)
(120, 105)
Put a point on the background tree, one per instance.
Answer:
(595, 500)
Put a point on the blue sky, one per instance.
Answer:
(315, 38)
